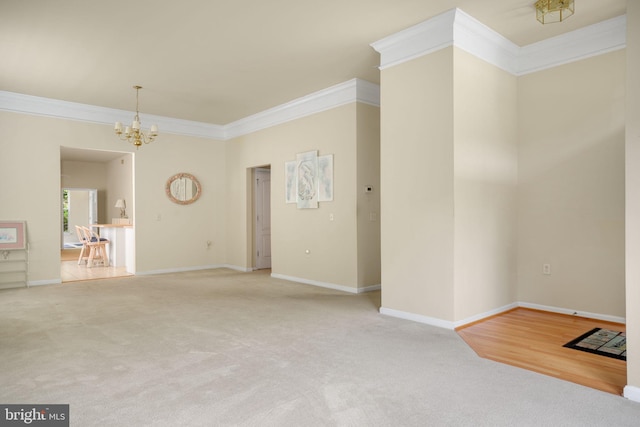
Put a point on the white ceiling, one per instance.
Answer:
(218, 61)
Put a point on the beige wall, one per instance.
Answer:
(332, 244)
(177, 240)
(80, 174)
(119, 186)
(112, 180)
(170, 236)
(571, 186)
(416, 180)
(506, 174)
(368, 204)
(633, 195)
(485, 170)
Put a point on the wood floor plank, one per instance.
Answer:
(71, 271)
(534, 339)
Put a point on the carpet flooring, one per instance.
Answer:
(223, 348)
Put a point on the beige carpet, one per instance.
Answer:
(219, 348)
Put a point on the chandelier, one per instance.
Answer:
(549, 11)
(133, 133)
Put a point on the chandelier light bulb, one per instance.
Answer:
(134, 133)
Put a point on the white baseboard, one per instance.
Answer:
(459, 323)
(333, 286)
(417, 318)
(371, 288)
(237, 268)
(44, 282)
(481, 316)
(180, 270)
(632, 393)
(605, 317)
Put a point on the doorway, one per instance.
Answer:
(262, 218)
(91, 182)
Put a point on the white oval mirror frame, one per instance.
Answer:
(183, 188)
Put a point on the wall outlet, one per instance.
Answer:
(546, 269)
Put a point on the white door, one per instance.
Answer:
(263, 218)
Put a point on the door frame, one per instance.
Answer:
(257, 207)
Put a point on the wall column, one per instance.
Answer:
(632, 171)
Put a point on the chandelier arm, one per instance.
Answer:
(134, 133)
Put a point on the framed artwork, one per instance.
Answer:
(325, 178)
(307, 180)
(12, 235)
(290, 181)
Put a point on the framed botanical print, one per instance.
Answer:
(12, 235)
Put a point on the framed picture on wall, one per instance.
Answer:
(12, 235)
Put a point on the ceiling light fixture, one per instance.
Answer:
(133, 133)
(550, 11)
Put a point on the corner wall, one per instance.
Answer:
(416, 174)
(485, 186)
(571, 186)
(368, 204)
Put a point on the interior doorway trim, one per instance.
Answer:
(261, 223)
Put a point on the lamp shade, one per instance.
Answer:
(120, 204)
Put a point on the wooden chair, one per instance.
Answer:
(84, 252)
(97, 247)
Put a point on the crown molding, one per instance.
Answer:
(597, 39)
(457, 28)
(419, 40)
(474, 37)
(451, 28)
(38, 106)
(354, 90)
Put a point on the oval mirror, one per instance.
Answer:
(183, 188)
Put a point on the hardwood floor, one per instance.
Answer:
(71, 271)
(534, 340)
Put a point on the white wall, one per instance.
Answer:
(571, 186)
